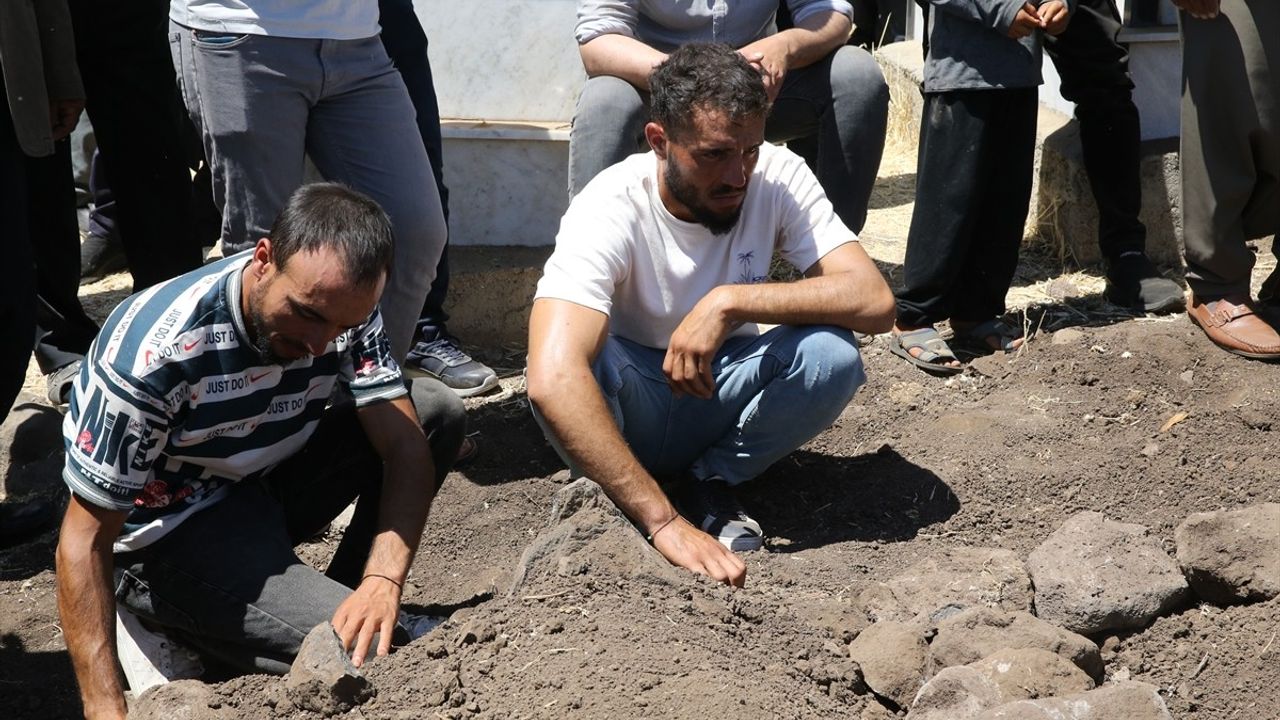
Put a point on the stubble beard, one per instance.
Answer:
(687, 195)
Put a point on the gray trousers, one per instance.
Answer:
(841, 102)
(263, 103)
(1230, 144)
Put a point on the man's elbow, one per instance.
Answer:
(881, 312)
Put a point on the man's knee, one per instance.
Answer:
(440, 411)
(855, 75)
(831, 362)
(609, 100)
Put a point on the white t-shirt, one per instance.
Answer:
(620, 251)
(313, 19)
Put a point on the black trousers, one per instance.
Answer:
(1094, 67)
(18, 291)
(63, 330)
(973, 186)
(132, 99)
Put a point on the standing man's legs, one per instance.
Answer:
(64, 331)
(18, 291)
(1230, 167)
(1094, 67)
(362, 133)
(608, 125)
(136, 115)
(843, 100)
(434, 352)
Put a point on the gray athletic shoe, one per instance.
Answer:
(58, 383)
(712, 505)
(443, 360)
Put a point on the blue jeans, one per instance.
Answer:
(774, 393)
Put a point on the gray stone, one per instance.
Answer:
(963, 692)
(1122, 701)
(957, 578)
(891, 655)
(180, 700)
(1093, 575)
(322, 678)
(1232, 556)
(978, 632)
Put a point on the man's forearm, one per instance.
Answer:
(815, 37)
(827, 300)
(402, 511)
(586, 429)
(87, 608)
(620, 56)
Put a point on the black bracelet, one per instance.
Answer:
(649, 538)
(384, 577)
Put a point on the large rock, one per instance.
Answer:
(978, 632)
(322, 678)
(891, 655)
(956, 579)
(588, 534)
(1123, 701)
(1232, 556)
(963, 692)
(181, 700)
(1093, 575)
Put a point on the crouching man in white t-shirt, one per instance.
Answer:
(646, 361)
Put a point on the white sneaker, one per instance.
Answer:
(150, 658)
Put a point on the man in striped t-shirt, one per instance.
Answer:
(204, 440)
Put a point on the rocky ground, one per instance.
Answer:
(928, 498)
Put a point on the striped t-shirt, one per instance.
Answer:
(174, 403)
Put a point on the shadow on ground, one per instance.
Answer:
(814, 499)
(27, 676)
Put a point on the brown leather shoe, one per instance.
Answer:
(1233, 323)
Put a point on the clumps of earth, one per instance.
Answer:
(1084, 529)
(970, 634)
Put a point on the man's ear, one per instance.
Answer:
(262, 256)
(657, 137)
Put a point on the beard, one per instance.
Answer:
(261, 335)
(682, 190)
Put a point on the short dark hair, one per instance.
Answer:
(333, 216)
(704, 76)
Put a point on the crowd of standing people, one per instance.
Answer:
(233, 408)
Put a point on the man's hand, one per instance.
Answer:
(373, 608)
(1054, 15)
(693, 346)
(1200, 9)
(1026, 22)
(63, 116)
(770, 57)
(684, 545)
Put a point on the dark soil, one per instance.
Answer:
(999, 456)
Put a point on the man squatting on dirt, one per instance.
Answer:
(202, 446)
(646, 360)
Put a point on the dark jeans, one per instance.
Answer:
(1094, 67)
(406, 45)
(133, 103)
(18, 291)
(973, 186)
(227, 581)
